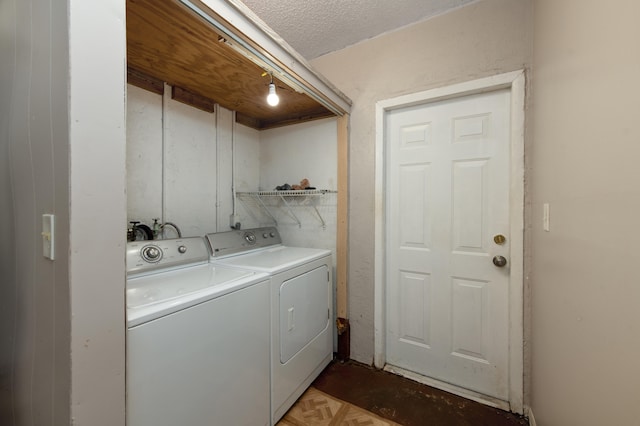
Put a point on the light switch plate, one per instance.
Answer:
(48, 236)
(545, 217)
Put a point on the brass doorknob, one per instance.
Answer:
(499, 261)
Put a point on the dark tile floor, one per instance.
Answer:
(405, 401)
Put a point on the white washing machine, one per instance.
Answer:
(198, 345)
(301, 306)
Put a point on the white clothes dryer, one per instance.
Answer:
(197, 340)
(301, 306)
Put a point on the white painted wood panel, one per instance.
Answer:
(246, 158)
(308, 150)
(190, 176)
(225, 128)
(288, 154)
(144, 155)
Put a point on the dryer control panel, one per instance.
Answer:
(231, 242)
(152, 255)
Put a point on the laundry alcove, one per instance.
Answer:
(199, 129)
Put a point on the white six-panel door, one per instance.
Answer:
(447, 200)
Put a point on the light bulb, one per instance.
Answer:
(272, 97)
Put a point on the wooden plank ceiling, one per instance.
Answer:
(167, 43)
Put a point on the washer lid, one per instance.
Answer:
(274, 260)
(153, 296)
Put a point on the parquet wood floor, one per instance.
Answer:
(316, 408)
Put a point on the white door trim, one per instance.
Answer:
(515, 81)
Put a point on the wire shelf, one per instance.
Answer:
(283, 196)
(291, 193)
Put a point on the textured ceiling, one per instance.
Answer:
(316, 27)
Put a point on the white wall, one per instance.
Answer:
(247, 158)
(307, 150)
(198, 162)
(585, 288)
(97, 158)
(35, 329)
(484, 38)
(290, 154)
(190, 164)
(287, 155)
(144, 155)
(179, 163)
(225, 126)
(194, 173)
(63, 152)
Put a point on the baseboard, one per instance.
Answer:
(532, 420)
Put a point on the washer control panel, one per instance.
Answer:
(147, 256)
(225, 243)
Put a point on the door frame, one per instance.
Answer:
(515, 82)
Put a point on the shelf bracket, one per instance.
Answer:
(266, 209)
(291, 211)
(324, 225)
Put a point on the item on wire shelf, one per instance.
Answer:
(285, 187)
(304, 184)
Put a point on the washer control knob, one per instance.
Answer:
(273, 234)
(250, 237)
(151, 253)
(265, 235)
(182, 249)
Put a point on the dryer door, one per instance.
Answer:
(304, 310)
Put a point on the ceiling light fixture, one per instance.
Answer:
(272, 97)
